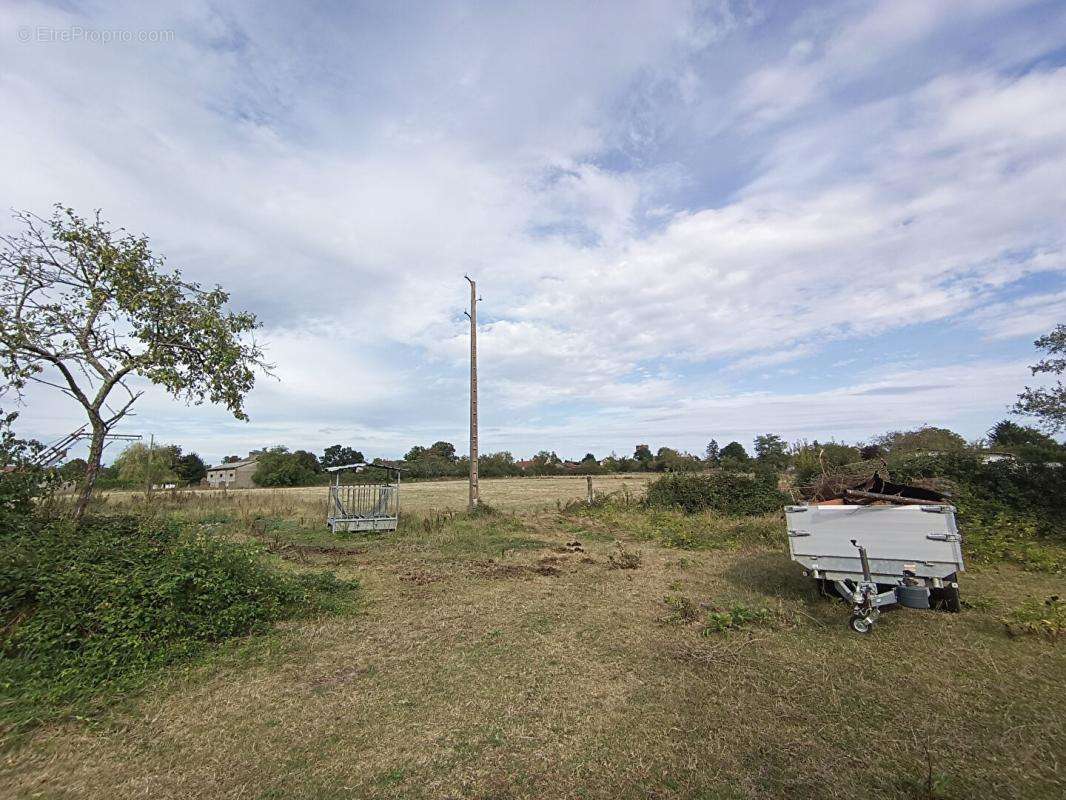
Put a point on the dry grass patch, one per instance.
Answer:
(308, 504)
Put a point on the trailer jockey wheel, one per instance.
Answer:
(861, 624)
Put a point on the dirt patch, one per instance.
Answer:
(419, 577)
(328, 550)
(300, 552)
(493, 569)
(571, 547)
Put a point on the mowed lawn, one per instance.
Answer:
(494, 658)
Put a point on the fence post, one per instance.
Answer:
(589, 479)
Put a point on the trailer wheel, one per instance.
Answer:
(947, 599)
(860, 624)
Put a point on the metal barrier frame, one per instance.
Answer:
(363, 507)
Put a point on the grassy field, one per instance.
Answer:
(420, 497)
(494, 658)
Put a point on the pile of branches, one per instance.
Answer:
(850, 482)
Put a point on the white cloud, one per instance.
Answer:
(341, 175)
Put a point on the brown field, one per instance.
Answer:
(489, 660)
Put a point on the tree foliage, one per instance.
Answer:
(1047, 404)
(734, 456)
(21, 480)
(811, 458)
(771, 451)
(546, 463)
(85, 308)
(926, 439)
(189, 468)
(276, 466)
(1025, 442)
(140, 464)
(337, 455)
(712, 454)
(436, 461)
(669, 460)
(73, 470)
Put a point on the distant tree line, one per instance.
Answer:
(139, 465)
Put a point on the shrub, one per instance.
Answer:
(724, 492)
(1007, 511)
(1027, 488)
(101, 604)
(22, 483)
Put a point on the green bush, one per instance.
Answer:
(101, 604)
(724, 492)
(1007, 511)
(22, 483)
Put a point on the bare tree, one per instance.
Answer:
(85, 309)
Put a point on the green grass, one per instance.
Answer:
(707, 530)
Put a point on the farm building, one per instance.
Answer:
(234, 475)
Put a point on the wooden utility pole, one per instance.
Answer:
(472, 314)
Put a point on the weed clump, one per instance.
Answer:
(102, 604)
(682, 610)
(725, 492)
(737, 618)
(622, 558)
(483, 509)
(686, 611)
(1046, 619)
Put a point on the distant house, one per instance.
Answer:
(984, 456)
(235, 475)
(992, 456)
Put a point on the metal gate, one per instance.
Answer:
(364, 506)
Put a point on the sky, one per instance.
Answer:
(687, 220)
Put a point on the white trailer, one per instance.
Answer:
(914, 553)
